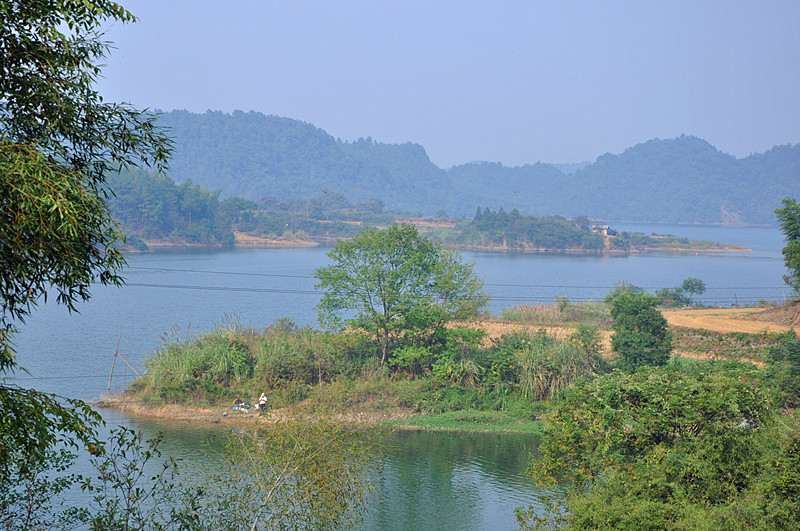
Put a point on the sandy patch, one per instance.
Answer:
(244, 240)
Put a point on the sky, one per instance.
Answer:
(504, 81)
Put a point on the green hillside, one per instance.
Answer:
(255, 156)
(685, 179)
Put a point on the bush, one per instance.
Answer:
(640, 331)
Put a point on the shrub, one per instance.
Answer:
(640, 331)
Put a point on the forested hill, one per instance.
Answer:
(252, 155)
(675, 180)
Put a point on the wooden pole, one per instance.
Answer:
(116, 353)
(129, 365)
(125, 373)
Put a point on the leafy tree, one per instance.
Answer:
(582, 222)
(784, 371)
(672, 297)
(789, 221)
(31, 497)
(620, 417)
(653, 449)
(394, 281)
(693, 286)
(640, 331)
(619, 289)
(58, 140)
(134, 489)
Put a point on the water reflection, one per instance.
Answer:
(431, 480)
(440, 480)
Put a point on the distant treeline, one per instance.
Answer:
(683, 179)
(155, 208)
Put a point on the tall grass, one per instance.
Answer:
(546, 368)
(559, 313)
(233, 361)
(342, 372)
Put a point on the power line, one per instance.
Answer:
(172, 270)
(498, 284)
(223, 288)
(495, 297)
(307, 277)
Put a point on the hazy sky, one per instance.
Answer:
(507, 81)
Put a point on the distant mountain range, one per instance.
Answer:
(680, 180)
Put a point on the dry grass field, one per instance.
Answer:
(702, 333)
(731, 320)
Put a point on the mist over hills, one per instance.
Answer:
(684, 179)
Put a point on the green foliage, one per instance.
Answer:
(777, 499)
(784, 373)
(539, 366)
(619, 418)
(693, 286)
(153, 206)
(587, 338)
(58, 140)
(640, 331)
(324, 372)
(293, 474)
(789, 220)
(473, 420)
(669, 448)
(619, 289)
(232, 361)
(32, 497)
(513, 230)
(246, 153)
(55, 235)
(547, 367)
(682, 295)
(462, 371)
(562, 302)
(133, 489)
(708, 483)
(411, 360)
(672, 297)
(33, 423)
(395, 282)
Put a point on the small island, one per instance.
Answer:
(155, 212)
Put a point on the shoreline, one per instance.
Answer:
(265, 243)
(733, 248)
(220, 414)
(396, 419)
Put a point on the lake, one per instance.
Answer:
(461, 481)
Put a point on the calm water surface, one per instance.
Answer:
(432, 480)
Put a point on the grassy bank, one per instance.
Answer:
(471, 420)
(467, 381)
(674, 441)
